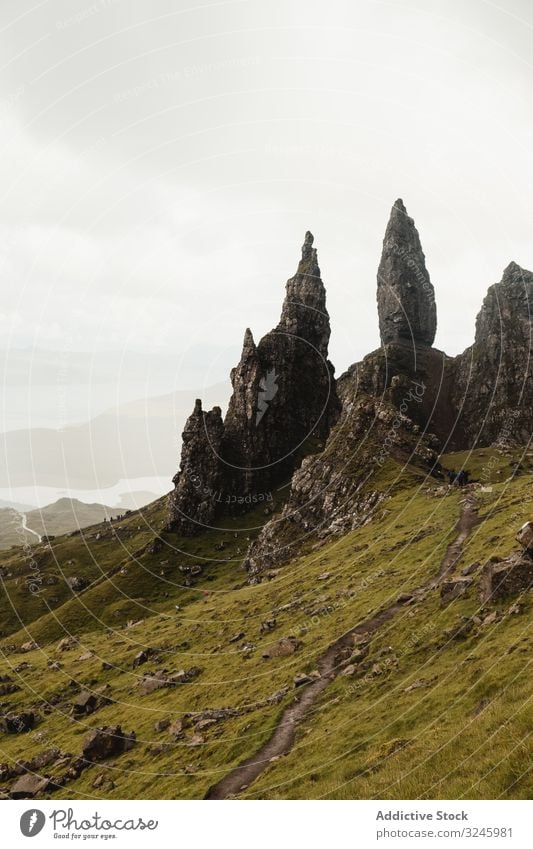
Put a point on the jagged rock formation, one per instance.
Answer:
(493, 379)
(283, 405)
(406, 298)
(408, 401)
(341, 488)
(283, 389)
(198, 482)
(415, 379)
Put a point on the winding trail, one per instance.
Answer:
(25, 526)
(330, 664)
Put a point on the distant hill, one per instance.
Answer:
(68, 514)
(11, 529)
(18, 527)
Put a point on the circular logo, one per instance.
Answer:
(32, 822)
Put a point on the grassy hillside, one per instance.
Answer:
(424, 709)
(11, 531)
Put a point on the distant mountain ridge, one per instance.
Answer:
(63, 516)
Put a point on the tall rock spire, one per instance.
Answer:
(406, 298)
(493, 379)
(197, 485)
(283, 389)
(283, 404)
(304, 312)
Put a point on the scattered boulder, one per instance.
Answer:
(204, 723)
(359, 654)
(86, 703)
(77, 583)
(106, 742)
(141, 657)
(163, 678)
(151, 683)
(267, 625)
(404, 598)
(86, 656)
(283, 648)
(161, 725)
(277, 697)
(31, 645)
(103, 780)
(184, 676)
(525, 537)
(17, 723)
(158, 749)
(492, 617)
(509, 577)
(301, 678)
(28, 786)
(236, 637)
(67, 643)
(177, 727)
(454, 588)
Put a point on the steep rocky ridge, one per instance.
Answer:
(493, 379)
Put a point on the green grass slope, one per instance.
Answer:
(425, 714)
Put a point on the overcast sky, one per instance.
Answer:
(161, 161)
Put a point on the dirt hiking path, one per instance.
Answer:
(331, 663)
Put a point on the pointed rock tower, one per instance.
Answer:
(406, 298)
(493, 385)
(284, 397)
(198, 482)
(283, 404)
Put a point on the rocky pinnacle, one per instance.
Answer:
(283, 402)
(406, 298)
(304, 313)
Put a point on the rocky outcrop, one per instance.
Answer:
(28, 786)
(395, 406)
(340, 489)
(17, 723)
(406, 298)
(283, 405)
(493, 379)
(406, 403)
(415, 380)
(512, 576)
(106, 742)
(283, 390)
(198, 483)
